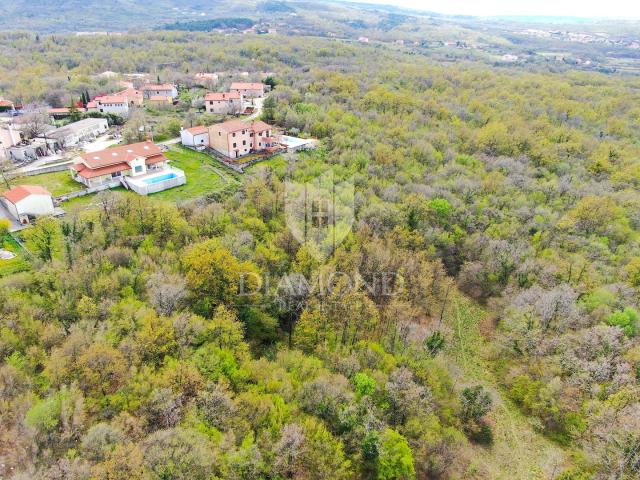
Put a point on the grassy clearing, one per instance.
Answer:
(17, 264)
(278, 163)
(512, 455)
(58, 183)
(205, 177)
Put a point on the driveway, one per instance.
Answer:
(257, 109)
(100, 143)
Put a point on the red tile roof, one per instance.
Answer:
(198, 130)
(246, 86)
(163, 86)
(6, 103)
(260, 126)
(129, 92)
(124, 153)
(237, 125)
(218, 96)
(112, 99)
(85, 172)
(21, 192)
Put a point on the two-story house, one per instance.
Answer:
(223, 103)
(248, 90)
(161, 90)
(115, 104)
(235, 138)
(133, 95)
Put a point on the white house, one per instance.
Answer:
(8, 138)
(162, 90)
(223, 102)
(197, 137)
(76, 132)
(140, 167)
(25, 202)
(113, 104)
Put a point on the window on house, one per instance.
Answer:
(116, 174)
(138, 168)
(234, 145)
(233, 134)
(244, 142)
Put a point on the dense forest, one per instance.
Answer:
(504, 201)
(208, 25)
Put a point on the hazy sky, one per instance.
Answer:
(554, 8)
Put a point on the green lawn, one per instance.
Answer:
(205, 176)
(15, 265)
(278, 163)
(58, 183)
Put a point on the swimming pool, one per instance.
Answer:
(159, 178)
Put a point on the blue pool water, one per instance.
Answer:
(159, 178)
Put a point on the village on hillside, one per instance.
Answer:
(51, 156)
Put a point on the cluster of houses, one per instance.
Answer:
(232, 102)
(235, 139)
(120, 103)
(50, 140)
(232, 139)
(140, 167)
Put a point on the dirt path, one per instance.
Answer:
(519, 452)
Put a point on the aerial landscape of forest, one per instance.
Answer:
(460, 300)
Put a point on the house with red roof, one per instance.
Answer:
(142, 167)
(157, 90)
(236, 138)
(5, 105)
(248, 89)
(115, 104)
(133, 95)
(223, 103)
(195, 137)
(26, 202)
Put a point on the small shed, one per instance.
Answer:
(26, 202)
